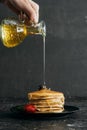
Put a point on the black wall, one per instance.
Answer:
(66, 52)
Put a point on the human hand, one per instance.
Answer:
(29, 8)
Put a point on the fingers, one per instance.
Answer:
(30, 8)
(36, 9)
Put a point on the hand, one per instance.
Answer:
(29, 8)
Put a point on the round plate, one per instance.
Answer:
(19, 111)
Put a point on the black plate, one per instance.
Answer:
(19, 112)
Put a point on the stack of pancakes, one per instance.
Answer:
(46, 100)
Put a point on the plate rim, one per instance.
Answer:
(67, 110)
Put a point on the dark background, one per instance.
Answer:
(66, 52)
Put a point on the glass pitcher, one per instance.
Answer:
(13, 31)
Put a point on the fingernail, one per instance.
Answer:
(36, 19)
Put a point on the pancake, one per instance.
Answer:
(46, 100)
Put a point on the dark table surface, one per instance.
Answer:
(75, 121)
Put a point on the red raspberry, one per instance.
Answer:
(30, 108)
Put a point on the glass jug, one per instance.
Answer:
(13, 31)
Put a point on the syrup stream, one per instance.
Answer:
(44, 61)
